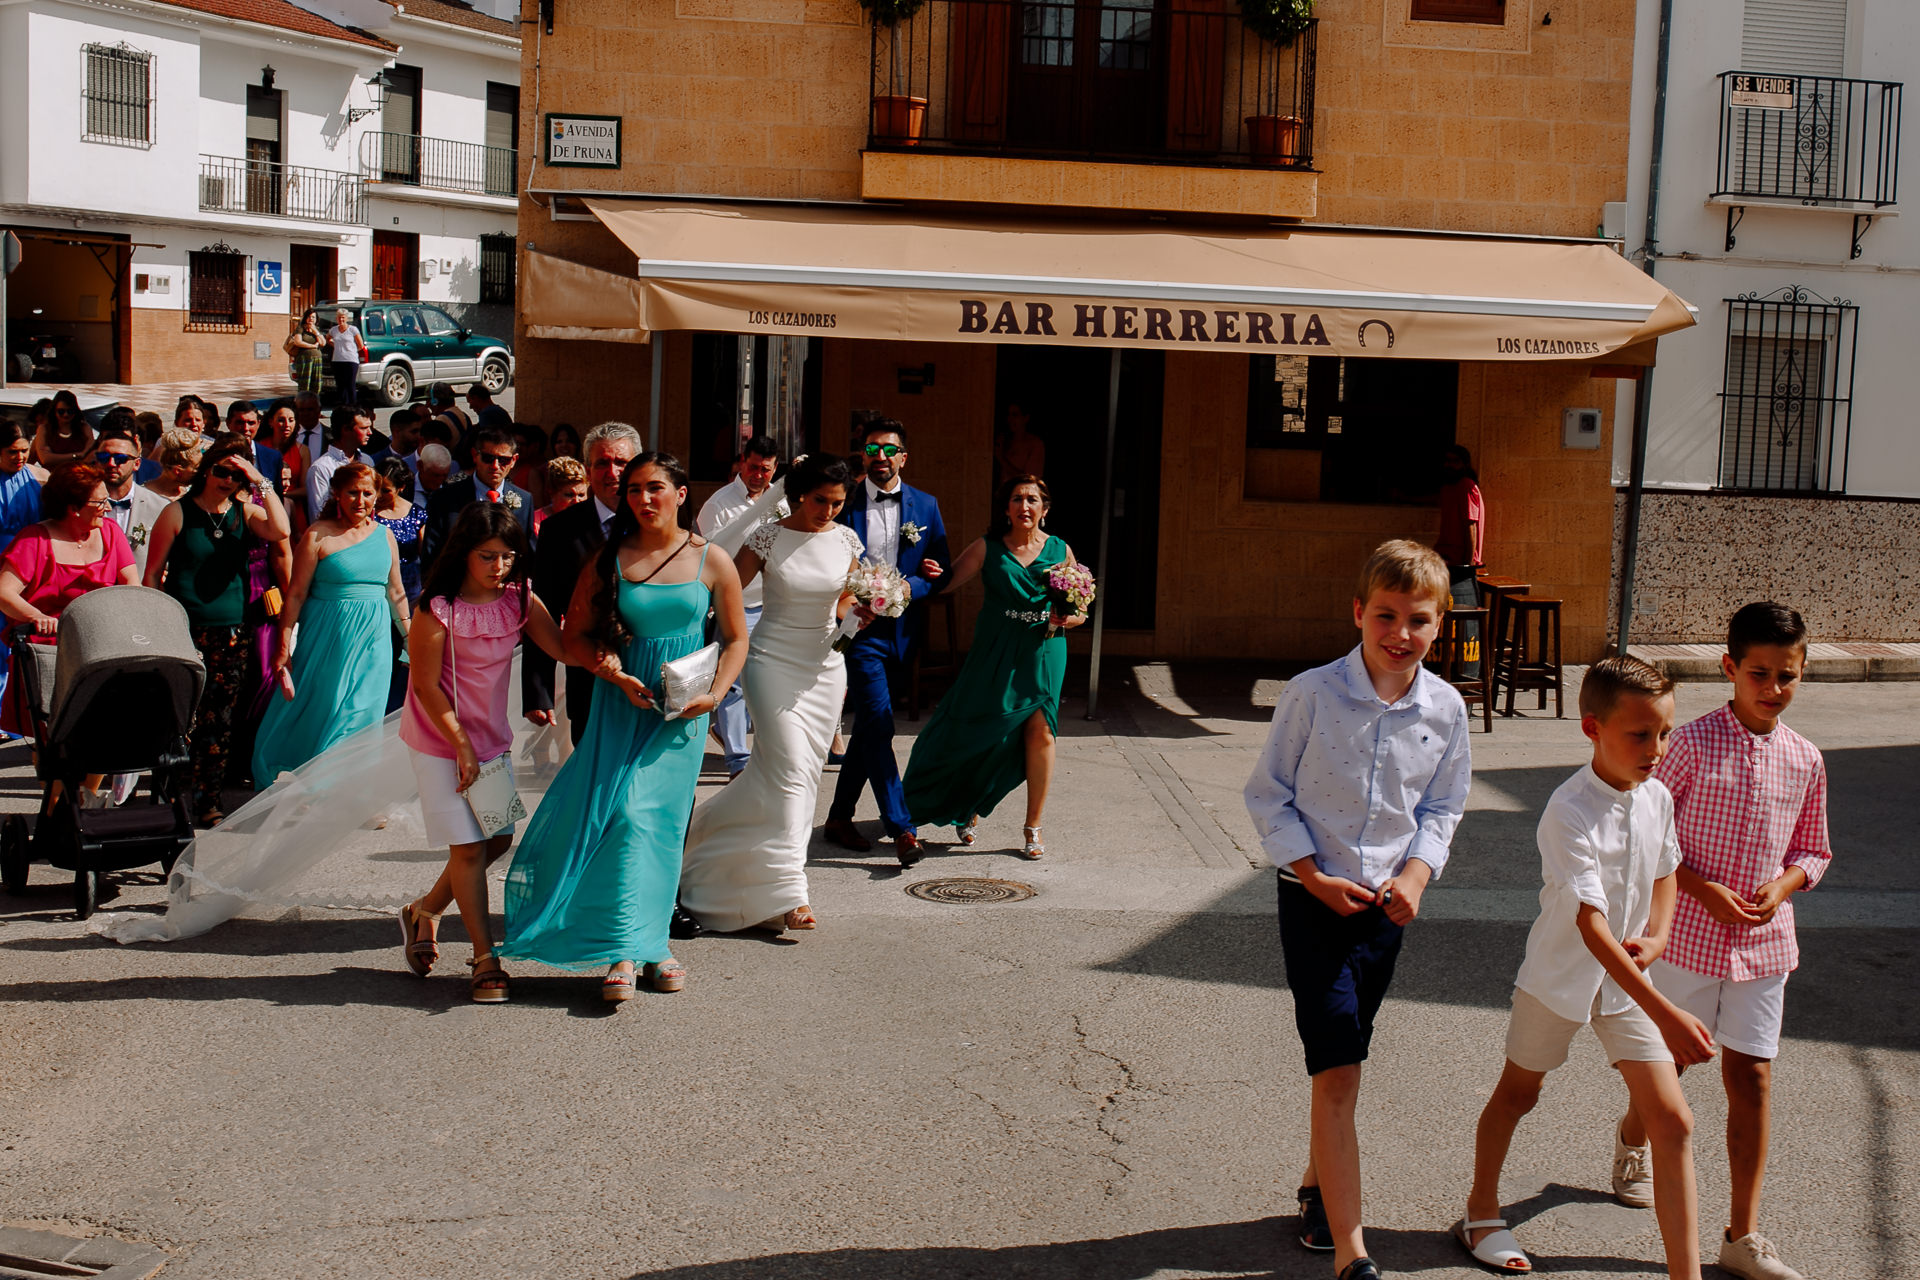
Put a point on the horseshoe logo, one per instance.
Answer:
(1383, 324)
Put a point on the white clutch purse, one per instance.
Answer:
(495, 803)
(684, 679)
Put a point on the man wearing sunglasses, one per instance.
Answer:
(134, 507)
(494, 453)
(901, 526)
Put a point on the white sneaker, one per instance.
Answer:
(1754, 1257)
(1632, 1174)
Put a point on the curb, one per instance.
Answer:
(104, 1257)
(1838, 670)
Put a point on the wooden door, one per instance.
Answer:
(396, 264)
(1089, 75)
(310, 274)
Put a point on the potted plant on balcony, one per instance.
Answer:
(1272, 138)
(897, 117)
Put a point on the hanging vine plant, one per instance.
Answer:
(1278, 21)
(889, 13)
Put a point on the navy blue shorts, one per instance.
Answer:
(1338, 968)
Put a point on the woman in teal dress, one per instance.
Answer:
(594, 879)
(995, 727)
(346, 591)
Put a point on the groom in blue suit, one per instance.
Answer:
(899, 525)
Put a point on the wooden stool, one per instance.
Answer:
(1498, 591)
(1528, 652)
(1452, 656)
(949, 664)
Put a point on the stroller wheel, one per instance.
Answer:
(14, 855)
(86, 893)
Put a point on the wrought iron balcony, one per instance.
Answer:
(1818, 140)
(1135, 81)
(439, 164)
(229, 184)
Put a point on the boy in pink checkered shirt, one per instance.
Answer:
(1750, 808)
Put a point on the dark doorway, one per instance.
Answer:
(264, 176)
(503, 138)
(1064, 391)
(310, 271)
(396, 264)
(746, 385)
(400, 126)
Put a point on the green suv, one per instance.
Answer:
(414, 344)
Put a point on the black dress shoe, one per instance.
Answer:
(1315, 1234)
(907, 848)
(1361, 1269)
(846, 835)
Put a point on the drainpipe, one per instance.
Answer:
(1643, 393)
(1106, 535)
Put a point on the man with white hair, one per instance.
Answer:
(568, 539)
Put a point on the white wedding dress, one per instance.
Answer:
(746, 858)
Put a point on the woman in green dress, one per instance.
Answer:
(994, 729)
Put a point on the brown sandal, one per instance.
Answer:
(420, 953)
(488, 985)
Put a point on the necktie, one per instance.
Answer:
(493, 495)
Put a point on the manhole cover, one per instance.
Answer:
(971, 890)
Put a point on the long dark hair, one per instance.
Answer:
(1003, 523)
(478, 523)
(608, 630)
(817, 471)
(227, 446)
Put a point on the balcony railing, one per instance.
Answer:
(439, 164)
(1815, 139)
(1140, 81)
(229, 184)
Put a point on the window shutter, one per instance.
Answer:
(1196, 75)
(1803, 37)
(977, 71)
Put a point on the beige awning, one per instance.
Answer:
(562, 299)
(855, 272)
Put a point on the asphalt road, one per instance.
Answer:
(1101, 1083)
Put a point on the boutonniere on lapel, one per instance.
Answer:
(510, 500)
(910, 533)
(138, 536)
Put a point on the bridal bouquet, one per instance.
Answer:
(881, 589)
(1070, 591)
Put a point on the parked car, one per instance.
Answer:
(17, 400)
(411, 345)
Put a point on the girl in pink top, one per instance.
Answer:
(473, 610)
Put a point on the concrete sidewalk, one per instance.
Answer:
(1101, 1081)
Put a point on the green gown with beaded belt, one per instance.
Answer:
(973, 751)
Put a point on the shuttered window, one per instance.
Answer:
(217, 284)
(496, 269)
(1786, 402)
(117, 93)
(1801, 37)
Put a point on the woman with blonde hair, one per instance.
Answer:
(178, 454)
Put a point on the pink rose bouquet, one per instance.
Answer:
(881, 590)
(1070, 591)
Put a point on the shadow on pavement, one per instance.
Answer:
(1261, 1248)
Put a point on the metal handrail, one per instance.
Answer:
(439, 164)
(231, 184)
(1152, 82)
(1815, 139)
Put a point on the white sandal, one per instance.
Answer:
(1497, 1250)
(969, 830)
(1034, 848)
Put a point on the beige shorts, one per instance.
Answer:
(1538, 1038)
(1739, 1015)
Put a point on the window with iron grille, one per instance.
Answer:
(117, 91)
(496, 269)
(1786, 402)
(217, 288)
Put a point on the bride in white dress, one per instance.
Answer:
(746, 858)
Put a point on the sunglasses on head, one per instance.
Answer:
(883, 450)
(226, 473)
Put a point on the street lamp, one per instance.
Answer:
(376, 93)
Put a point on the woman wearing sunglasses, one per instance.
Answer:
(65, 436)
(197, 553)
(346, 592)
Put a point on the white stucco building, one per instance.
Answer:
(185, 174)
(1782, 455)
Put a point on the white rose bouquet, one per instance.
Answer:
(879, 591)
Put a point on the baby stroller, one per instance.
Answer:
(116, 695)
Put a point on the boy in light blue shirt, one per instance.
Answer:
(1356, 797)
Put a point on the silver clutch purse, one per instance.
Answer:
(684, 679)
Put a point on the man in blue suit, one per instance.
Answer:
(494, 452)
(898, 525)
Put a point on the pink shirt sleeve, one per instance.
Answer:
(27, 557)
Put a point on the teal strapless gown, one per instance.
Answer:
(596, 874)
(342, 664)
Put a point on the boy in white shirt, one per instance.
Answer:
(1608, 854)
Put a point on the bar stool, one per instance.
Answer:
(1498, 591)
(1457, 638)
(949, 664)
(1528, 652)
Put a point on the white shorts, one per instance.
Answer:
(448, 817)
(1538, 1038)
(1744, 1016)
